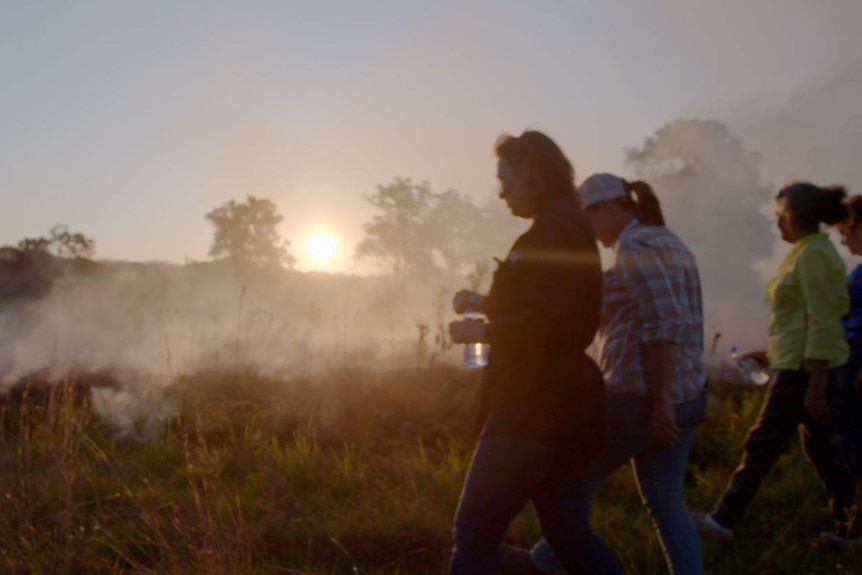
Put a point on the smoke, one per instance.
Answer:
(150, 324)
(709, 186)
(717, 181)
(814, 134)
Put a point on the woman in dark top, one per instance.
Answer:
(850, 404)
(543, 311)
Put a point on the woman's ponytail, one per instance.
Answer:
(648, 208)
(812, 204)
(831, 204)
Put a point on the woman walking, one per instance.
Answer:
(807, 351)
(849, 415)
(651, 348)
(542, 397)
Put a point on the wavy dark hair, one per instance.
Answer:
(854, 210)
(547, 167)
(812, 204)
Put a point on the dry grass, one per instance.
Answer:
(357, 471)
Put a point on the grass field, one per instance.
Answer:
(353, 472)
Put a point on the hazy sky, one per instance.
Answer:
(129, 121)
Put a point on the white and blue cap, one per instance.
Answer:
(601, 188)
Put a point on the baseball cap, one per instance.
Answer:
(600, 188)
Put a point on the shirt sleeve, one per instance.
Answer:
(645, 273)
(821, 295)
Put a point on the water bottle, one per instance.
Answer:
(475, 354)
(758, 374)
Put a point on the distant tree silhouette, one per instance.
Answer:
(69, 244)
(416, 230)
(455, 226)
(399, 237)
(34, 245)
(61, 242)
(246, 232)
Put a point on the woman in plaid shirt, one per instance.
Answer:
(650, 353)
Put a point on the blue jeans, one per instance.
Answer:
(505, 474)
(849, 410)
(660, 475)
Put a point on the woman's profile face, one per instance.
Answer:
(515, 191)
(851, 236)
(606, 222)
(785, 221)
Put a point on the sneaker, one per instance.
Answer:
(709, 526)
(516, 561)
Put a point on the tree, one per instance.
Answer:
(711, 195)
(34, 245)
(454, 225)
(398, 237)
(73, 245)
(61, 242)
(246, 232)
(416, 231)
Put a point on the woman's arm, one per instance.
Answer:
(646, 277)
(820, 293)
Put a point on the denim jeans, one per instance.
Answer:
(780, 416)
(660, 475)
(505, 474)
(850, 411)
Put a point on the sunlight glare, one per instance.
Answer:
(322, 247)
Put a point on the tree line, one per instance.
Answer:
(701, 171)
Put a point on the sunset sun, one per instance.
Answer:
(321, 247)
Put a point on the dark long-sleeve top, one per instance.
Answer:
(543, 310)
(853, 319)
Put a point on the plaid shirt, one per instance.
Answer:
(651, 295)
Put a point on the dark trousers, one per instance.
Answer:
(850, 410)
(780, 416)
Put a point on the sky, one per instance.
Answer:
(129, 121)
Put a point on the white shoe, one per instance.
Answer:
(709, 526)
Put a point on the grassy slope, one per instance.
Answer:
(356, 472)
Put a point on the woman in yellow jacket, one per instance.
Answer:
(807, 348)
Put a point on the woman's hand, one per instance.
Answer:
(665, 431)
(466, 301)
(816, 406)
(467, 331)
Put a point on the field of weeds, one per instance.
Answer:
(353, 472)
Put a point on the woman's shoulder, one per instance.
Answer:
(819, 246)
(566, 223)
(820, 250)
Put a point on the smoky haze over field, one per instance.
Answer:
(715, 171)
(159, 321)
(130, 121)
(166, 320)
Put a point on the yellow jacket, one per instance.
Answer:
(809, 298)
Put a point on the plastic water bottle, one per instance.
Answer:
(755, 372)
(475, 354)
